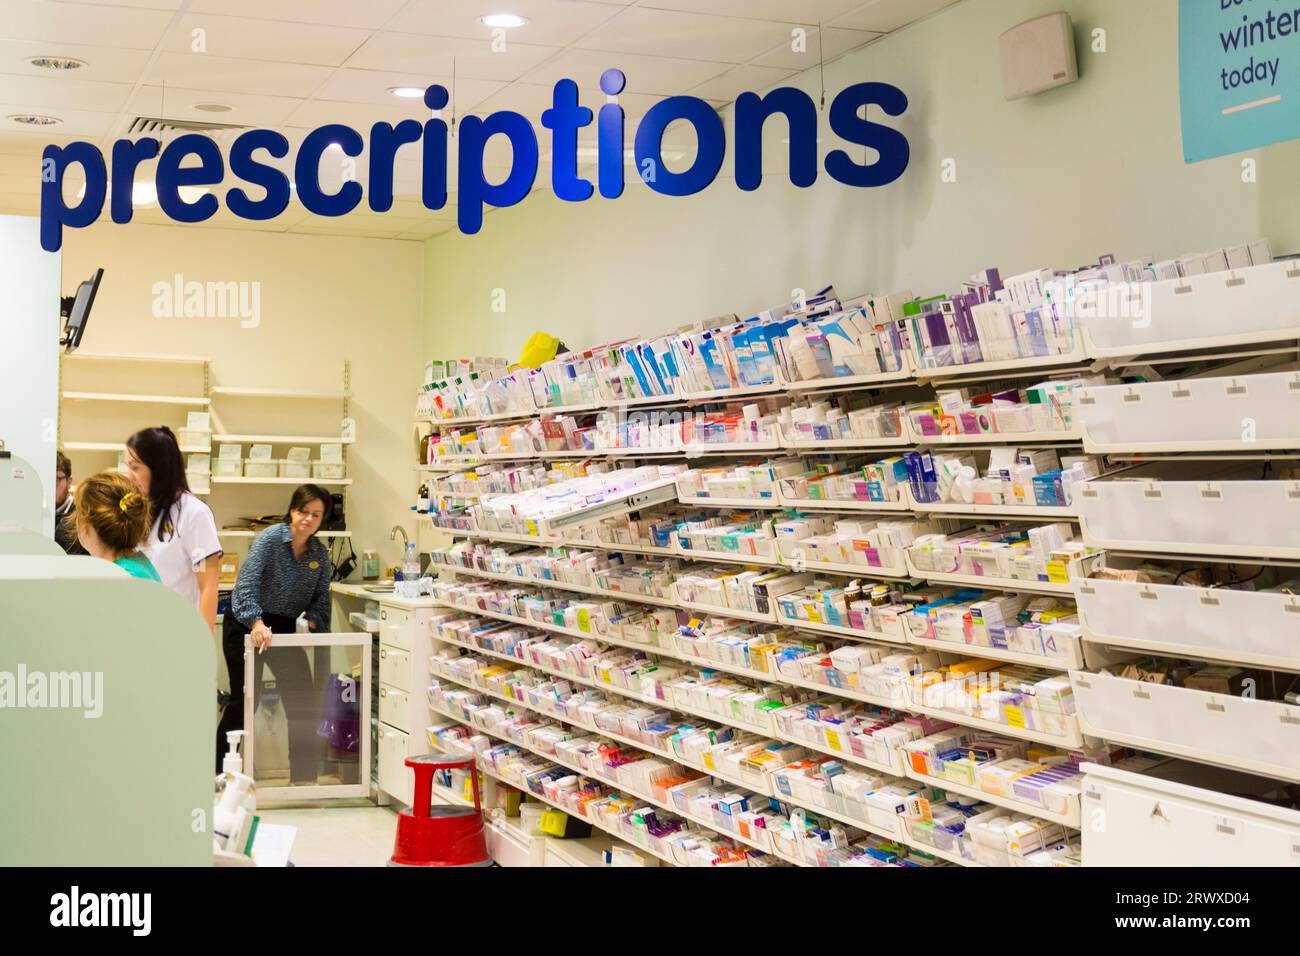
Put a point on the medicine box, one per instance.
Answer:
(267, 468)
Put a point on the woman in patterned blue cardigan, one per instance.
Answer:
(286, 574)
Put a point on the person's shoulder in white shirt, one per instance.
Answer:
(180, 541)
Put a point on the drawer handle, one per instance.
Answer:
(1141, 694)
(1217, 708)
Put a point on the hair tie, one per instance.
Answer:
(126, 500)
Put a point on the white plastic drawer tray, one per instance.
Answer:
(1231, 518)
(1238, 413)
(1133, 819)
(1255, 304)
(1256, 736)
(1245, 627)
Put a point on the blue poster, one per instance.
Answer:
(1239, 74)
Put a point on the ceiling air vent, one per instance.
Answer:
(158, 126)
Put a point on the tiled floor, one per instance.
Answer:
(348, 835)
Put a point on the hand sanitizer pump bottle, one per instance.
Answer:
(233, 809)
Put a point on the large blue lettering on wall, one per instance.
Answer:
(261, 190)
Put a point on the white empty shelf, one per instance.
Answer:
(250, 392)
(284, 439)
(1261, 629)
(1246, 519)
(1232, 413)
(1258, 736)
(137, 399)
(281, 481)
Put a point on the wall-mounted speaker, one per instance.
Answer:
(1038, 55)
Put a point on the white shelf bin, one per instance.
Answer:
(1233, 413)
(1150, 821)
(1244, 627)
(1250, 519)
(1256, 736)
(1219, 309)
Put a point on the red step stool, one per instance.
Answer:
(429, 835)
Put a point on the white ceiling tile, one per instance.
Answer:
(432, 56)
(825, 44)
(272, 40)
(21, 141)
(689, 35)
(75, 122)
(657, 75)
(370, 15)
(310, 114)
(208, 72)
(23, 165)
(550, 22)
(97, 25)
(54, 93)
(786, 11)
(248, 109)
(345, 230)
(885, 16)
(142, 4)
(421, 235)
(372, 86)
(103, 64)
(531, 100)
(741, 79)
(19, 204)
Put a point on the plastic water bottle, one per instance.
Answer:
(409, 586)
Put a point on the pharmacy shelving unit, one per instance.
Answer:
(96, 412)
(265, 403)
(1226, 399)
(892, 830)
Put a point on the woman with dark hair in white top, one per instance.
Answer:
(183, 543)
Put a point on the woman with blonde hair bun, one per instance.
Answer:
(112, 519)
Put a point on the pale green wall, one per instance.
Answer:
(1052, 180)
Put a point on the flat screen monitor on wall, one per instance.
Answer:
(75, 310)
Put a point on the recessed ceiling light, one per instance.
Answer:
(213, 107)
(335, 147)
(33, 119)
(406, 92)
(55, 62)
(507, 20)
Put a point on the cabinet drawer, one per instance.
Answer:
(396, 627)
(510, 849)
(395, 707)
(395, 666)
(395, 778)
